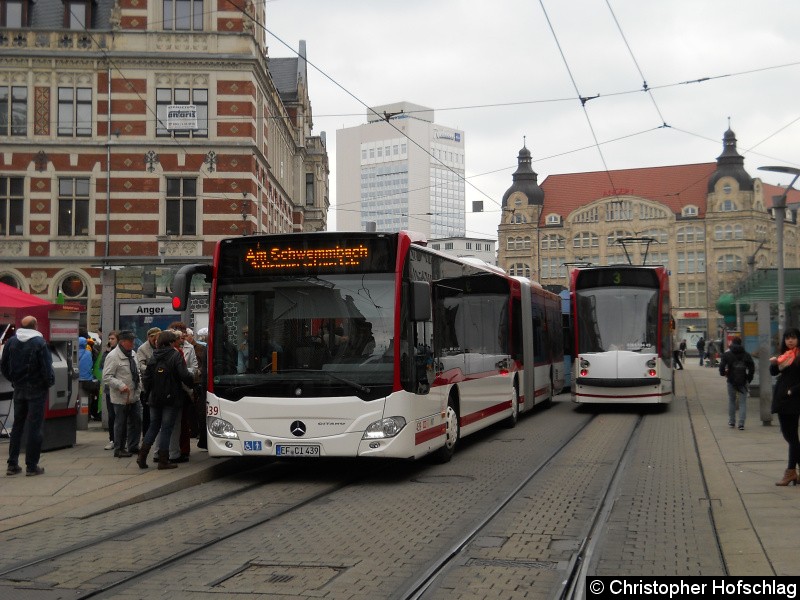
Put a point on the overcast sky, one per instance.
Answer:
(505, 69)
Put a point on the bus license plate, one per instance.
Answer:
(296, 450)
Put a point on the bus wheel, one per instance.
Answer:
(511, 421)
(452, 434)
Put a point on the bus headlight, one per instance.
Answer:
(385, 428)
(222, 429)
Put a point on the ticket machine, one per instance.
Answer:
(60, 330)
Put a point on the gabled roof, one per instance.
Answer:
(673, 186)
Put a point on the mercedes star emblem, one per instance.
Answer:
(298, 428)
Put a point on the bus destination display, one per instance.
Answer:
(293, 255)
(277, 258)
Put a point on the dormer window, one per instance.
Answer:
(728, 206)
(187, 15)
(553, 220)
(77, 14)
(13, 13)
(689, 211)
(726, 189)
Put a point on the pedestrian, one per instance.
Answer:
(162, 380)
(676, 359)
(701, 350)
(180, 446)
(111, 343)
(121, 375)
(199, 389)
(88, 384)
(786, 400)
(143, 354)
(28, 365)
(682, 348)
(711, 354)
(738, 368)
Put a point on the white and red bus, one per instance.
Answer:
(366, 344)
(622, 338)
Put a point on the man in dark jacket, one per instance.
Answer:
(28, 365)
(738, 368)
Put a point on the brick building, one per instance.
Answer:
(99, 174)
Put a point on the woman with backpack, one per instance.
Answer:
(786, 399)
(738, 368)
(162, 379)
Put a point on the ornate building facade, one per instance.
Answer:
(710, 223)
(97, 170)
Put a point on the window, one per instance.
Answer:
(619, 210)
(12, 204)
(553, 241)
(73, 206)
(77, 14)
(690, 235)
(75, 112)
(448, 245)
(553, 220)
(729, 263)
(183, 15)
(689, 211)
(13, 13)
(585, 240)
(691, 262)
(468, 245)
(728, 206)
(181, 218)
(167, 96)
(692, 294)
(519, 219)
(13, 110)
(520, 270)
(309, 189)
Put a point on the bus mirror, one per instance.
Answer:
(182, 282)
(420, 305)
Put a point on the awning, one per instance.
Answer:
(11, 297)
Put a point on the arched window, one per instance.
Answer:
(728, 206)
(613, 236)
(553, 241)
(729, 263)
(9, 279)
(585, 240)
(690, 234)
(517, 218)
(520, 270)
(659, 235)
(738, 232)
(526, 243)
(689, 211)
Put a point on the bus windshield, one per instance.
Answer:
(617, 318)
(304, 336)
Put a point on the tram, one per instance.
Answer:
(366, 345)
(622, 339)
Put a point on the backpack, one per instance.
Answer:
(739, 374)
(164, 388)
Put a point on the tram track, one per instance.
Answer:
(431, 583)
(54, 571)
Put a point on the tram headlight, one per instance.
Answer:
(651, 367)
(584, 364)
(222, 429)
(385, 428)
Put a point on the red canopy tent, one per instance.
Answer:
(11, 297)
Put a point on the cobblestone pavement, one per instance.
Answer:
(695, 497)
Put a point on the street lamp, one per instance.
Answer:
(779, 205)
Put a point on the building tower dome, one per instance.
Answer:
(730, 164)
(525, 181)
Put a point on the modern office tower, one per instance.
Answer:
(401, 170)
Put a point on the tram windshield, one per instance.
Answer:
(295, 336)
(617, 318)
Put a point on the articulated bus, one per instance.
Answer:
(366, 344)
(622, 338)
